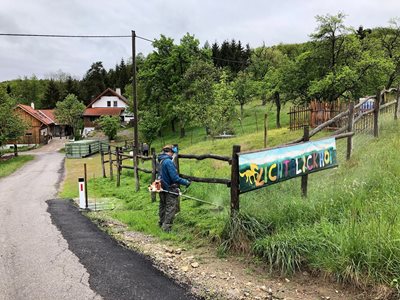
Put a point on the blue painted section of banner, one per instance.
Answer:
(263, 168)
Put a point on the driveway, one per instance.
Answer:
(36, 260)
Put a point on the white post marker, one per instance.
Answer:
(82, 198)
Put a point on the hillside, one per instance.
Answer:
(346, 229)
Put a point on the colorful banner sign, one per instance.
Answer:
(260, 169)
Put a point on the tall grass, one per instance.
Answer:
(348, 227)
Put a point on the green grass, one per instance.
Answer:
(348, 227)
(9, 166)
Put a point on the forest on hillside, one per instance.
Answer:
(182, 84)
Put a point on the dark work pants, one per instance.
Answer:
(167, 210)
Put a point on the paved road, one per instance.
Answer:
(36, 261)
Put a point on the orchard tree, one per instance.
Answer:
(222, 112)
(69, 112)
(109, 125)
(244, 89)
(197, 94)
(149, 125)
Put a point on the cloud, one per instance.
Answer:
(251, 21)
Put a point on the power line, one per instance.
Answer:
(63, 35)
(101, 36)
(145, 39)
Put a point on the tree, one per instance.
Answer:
(197, 94)
(94, 81)
(69, 112)
(222, 112)
(11, 126)
(109, 125)
(149, 125)
(389, 39)
(244, 89)
(52, 95)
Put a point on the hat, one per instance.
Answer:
(169, 148)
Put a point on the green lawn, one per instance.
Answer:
(9, 166)
(347, 228)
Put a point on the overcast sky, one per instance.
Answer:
(251, 21)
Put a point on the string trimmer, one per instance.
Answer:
(155, 187)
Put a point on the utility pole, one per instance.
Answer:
(135, 112)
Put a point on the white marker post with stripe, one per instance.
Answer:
(82, 193)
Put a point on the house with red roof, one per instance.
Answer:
(108, 103)
(42, 125)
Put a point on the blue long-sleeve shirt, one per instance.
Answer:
(168, 173)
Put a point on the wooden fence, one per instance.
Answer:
(350, 121)
(318, 112)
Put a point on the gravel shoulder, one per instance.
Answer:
(227, 278)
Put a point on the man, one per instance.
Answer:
(169, 182)
(145, 149)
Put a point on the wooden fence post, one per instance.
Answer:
(235, 180)
(176, 162)
(266, 129)
(110, 161)
(102, 161)
(396, 109)
(255, 114)
(350, 129)
(117, 153)
(304, 178)
(376, 113)
(135, 168)
(15, 149)
(153, 171)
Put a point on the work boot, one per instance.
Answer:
(166, 227)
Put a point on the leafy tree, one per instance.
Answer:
(149, 125)
(109, 125)
(244, 89)
(197, 94)
(222, 112)
(69, 112)
(389, 40)
(11, 126)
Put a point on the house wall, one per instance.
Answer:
(32, 134)
(102, 102)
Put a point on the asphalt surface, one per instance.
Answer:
(115, 272)
(37, 261)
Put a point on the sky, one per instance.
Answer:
(251, 21)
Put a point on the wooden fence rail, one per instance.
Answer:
(356, 118)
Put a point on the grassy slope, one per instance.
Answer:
(348, 226)
(9, 166)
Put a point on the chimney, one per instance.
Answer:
(33, 105)
(118, 91)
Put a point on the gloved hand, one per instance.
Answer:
(188, 184)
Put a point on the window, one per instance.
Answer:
(28, 133)
(115, 103)
(108, 103)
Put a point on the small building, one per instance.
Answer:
(39, 125)
(108, 103)
(42, 125)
